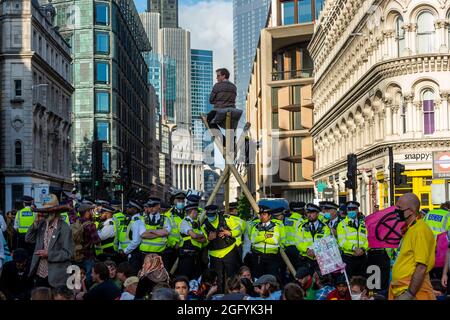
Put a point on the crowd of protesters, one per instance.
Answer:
(94, 250)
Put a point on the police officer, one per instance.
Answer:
(23, 221)
(438, 220)
(135, 229)
(154, 239)
(233, 214)
(297, 210)
(175, 216)
(192, 242)
(98, 209)
(221, 233)
(291, 221)
(310, 231)
(331, 216)
(352, 240)
(107, 232)
(267, 237)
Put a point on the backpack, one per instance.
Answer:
(77, 235)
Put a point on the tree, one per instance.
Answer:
(244, 208)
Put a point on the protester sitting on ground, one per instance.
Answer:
(292, 291)
(267, 287)
(208, 286)
(152, 273)
(181, 286)
(63, 293)
(14, 281)
(341, 291)
(244, 272)
(130, 286)
(359, 290)
(125, 270)
(105, 289)
(325, 285)
(41, 293)
(165, 294)
(235, 289)
(249, 288)
(113, 273)
(304, 277)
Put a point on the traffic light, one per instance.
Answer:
(399, 178)
(352, 165)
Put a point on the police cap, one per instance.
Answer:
(297, 206)
(352, 204)
(263, 209)
(193, 198)
(233, 205)
(134, 204)
(27, 199)
(212, 208)
(312, 207)
(277, 211)
(191, 206)
(180, 195)
(330, 205)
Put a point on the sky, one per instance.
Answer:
(211, 25)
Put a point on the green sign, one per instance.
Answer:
(321, 186)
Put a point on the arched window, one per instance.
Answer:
(399, 36)
(425, 32)
(428, 111)
(18, 153)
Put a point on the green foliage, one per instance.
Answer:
(244, 208)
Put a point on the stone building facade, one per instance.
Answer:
(35, 106)
(381, 80)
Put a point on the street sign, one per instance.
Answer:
(41, 191)
(441, 165)
(321, 186)
(328, 193)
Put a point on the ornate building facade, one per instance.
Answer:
(381, 79)
(35, 107)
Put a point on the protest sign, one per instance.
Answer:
(327, 255)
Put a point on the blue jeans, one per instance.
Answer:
(88, 265)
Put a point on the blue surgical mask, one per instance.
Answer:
(327, 215)
(211, 217)
(180, 206)
(352, 214)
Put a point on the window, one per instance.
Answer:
(16, 195)
(296, 95)
(296, 146)
(102, 102)
(399, 36)
(304, 11)
(296, 120)
(288, 13)
(18, 88)
(18, 153)
(102, 42)
(102, 72)
(106, 161)
(428, 111)
(275, 124)
(425, 32)
(102, 128)
(102, 13)
(318, 8)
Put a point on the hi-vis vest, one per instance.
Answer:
(188, 243)
(26, 219)
(175, 220)
(65, 217)
(438, 221)
(121, 228)
(350, 238)
(219, 248)
(108, 245)
(154, 245)
(306, 236)
(241, 225)
(291, 225)
(270, 245)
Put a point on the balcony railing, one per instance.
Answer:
(292, 74)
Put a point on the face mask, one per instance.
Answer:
(400, 214)
(211, 217)
(352, 214)
(180, 205)
(356, 296)
(327, 215)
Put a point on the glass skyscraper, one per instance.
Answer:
(201, 85)
(249, 17)
(168, 10)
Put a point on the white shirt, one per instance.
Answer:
(137, 230)
(2, 223)
(157, 216)
(316, 224)
(185, 226)
(107, 231)
(126, 296)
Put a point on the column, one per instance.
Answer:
(419, 118)
(440, 25)
(445, 113)
(395, 120)
(409, 113)
(377, 127)
(388, 119)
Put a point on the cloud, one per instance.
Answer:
(211, 25)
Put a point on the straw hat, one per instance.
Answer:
(50, 201)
